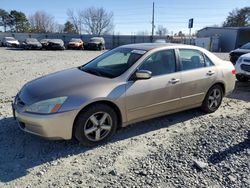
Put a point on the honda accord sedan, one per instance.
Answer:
(125, 85)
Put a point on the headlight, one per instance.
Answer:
(47, 106)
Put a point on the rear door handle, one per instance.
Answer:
(210, 73)
(174, 81)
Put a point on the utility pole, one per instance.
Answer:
(153, 22)
(190, 37)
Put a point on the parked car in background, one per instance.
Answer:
(76, 43)
(243, 68)
(235, 54)
(96, 43)
(55, 44)
(128, 84)
(31, 44)
(44, 43)
(160, 41)
(10, 42)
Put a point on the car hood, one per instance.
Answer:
(44, 42)
(74, 42)
(54, 41)
(240, 51)
(94, 42)
(12, 42)
(246, 55)
(34, 43)
(70, 82)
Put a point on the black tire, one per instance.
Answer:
(209, 104)
(100, 47)
(83, 124)
(241, 78)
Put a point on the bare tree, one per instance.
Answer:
(58, 28)
(42, 22)
(161, 31)
(97, 21)
(75, 19)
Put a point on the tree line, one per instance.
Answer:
(96, 21)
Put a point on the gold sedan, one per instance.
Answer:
(128, 84)
(75, 43)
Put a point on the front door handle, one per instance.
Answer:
(174, 81)
(210, 73)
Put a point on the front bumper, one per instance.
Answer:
(53, 126)
(12, 45)
(75, 46)
(92, 46)
(55, 47)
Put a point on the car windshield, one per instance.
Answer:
(75, 40)
(160, 41)
(45, 40)
(113, 63)
(95, 40)
(31, 40)
(246, 46)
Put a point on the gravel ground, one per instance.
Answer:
(187, 149)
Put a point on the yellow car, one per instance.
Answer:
(76, 44)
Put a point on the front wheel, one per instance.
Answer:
(213, 99)
(241, 78)
(95, 125)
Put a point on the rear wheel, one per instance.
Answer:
(213, 99)
(241, 78)
(95, 125)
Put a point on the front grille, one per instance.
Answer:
(247, 60)
(245, 67)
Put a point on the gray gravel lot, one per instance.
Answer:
(187, 149)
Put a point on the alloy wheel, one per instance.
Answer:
(214, 98)
(98, 126)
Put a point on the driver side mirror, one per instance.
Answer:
(143, 75)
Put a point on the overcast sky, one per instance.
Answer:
(131, 16)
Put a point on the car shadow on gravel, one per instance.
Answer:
(15, 49)
(241, 91)
(20, 151)
(223, 155)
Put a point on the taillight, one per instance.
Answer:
(234, 72)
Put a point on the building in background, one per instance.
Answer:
(229, 38)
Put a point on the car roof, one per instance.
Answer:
(151, 46)
(97, 38)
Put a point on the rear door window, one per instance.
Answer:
(191, 59)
